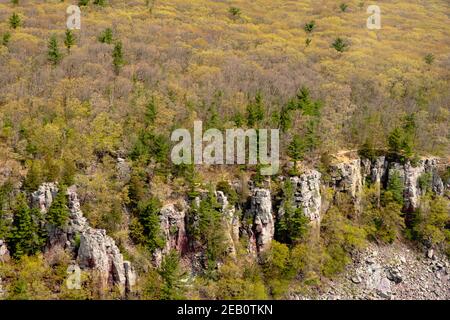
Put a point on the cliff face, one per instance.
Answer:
(93, 249)
(258, 221)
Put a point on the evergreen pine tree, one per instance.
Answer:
(117, 55)
(5, 38)
(69, 40)
(53, 54)
(293, 225)
(58, 213)
(309, 27)
(100, 2)
(296, 149)
(171, 275)
(106, 36)
(340, 45)
(26, 236)
(395, 187)
(149, 225)
(255, 111)
(395, 140)
(150, 112)
(15, 21)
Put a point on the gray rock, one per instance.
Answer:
(96, 251)
(347, 177)
(307, 194)
(130, 276)
(394, 275)
(356, 279)
(4, 253)
(99, 252)
(2, 291)
(43, 197)
(263, 222)
(173, 228)
(231, 223)
(410, 175)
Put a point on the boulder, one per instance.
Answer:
(378, 282)
(394, 275)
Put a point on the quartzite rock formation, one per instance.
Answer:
(94, 249)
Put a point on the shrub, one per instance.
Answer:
(106, 36)
(341, 236)
(53, 53)
(384, 223)
(343, 7)
(229, 191)
(340, 45)
(31, 278)
(310, 26)
(234, 12)
(277, 268)
(6, 38)
(429, 58)
(15, 21)
(431, 221)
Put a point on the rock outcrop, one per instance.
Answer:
(307, 194)
(4, 253)
(2, 291)
(263, 224)
(173, 227)
(231, 222)
(43, 197)
(411, 175)
(93, 248)
(347, 177)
